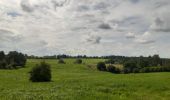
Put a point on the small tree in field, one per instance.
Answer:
(61, 61)
(41, 73)
(101, 66)
(78, 61)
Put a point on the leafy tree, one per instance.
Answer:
(129, 66)
(110, 61)
(41, 73)
(142, 62)
(78, 61)
(18, 59)
(113, 69)
(2, 55)
(156, 61)
(101, 66)
(3, 64)
(61, 61)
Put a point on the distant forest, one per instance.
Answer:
(153, 63)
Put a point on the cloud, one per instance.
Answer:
(125, 27)
(130, 35)
(92, 38)
(26, 6)
(59, 3)
(13, 14)
(161, 24)
(101, 6)
(104, 26)
(145, 38)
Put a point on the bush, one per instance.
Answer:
(111, 68)
(153, 69)
(101, 66)
(136, 70)
(129, 66)
(78, 61)
(61, 61)
(110, 61)
(3, 64)
(166, 69)
(117, 71)
(16, 58)
(41, 73)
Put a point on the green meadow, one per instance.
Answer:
(80, 82)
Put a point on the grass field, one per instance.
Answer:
(79, 82)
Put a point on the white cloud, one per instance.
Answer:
(145, 38)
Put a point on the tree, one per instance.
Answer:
(101, 66)
(111, 68)
(142, 62)
(156, 61)
(61, 61)
(41, 73)
(78, 61)
(110, 61)
(18, 59)
(2, 55)
(129, 66)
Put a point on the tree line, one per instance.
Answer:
(12, 60)
(136, 64)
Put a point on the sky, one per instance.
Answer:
(86, 27)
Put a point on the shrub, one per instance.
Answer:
(126, 71)
(111, 68)
(101, 66)
(166, 69)
(16, 58)
(61, 61)
(41, 73)
(145, 70)
(129, 66)
(110, 61)
(136, 70)
(117, 70)
(78, 61)
(3, 64)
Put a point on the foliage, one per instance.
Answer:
(111, 68)
(12, 60)
(110, 61)
(61, 61)
(2, 55)
(101, 66)
(41, 73)
(18, 59)
(129, 66)
(78, 61)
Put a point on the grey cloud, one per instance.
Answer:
(9, 36)
(105, 26)
(161, 25)
(83, 8)
(25, 5)
(147, 41)
(59, 4)
(13, 14)
(130, 35)
(101, 6)
(94, 39)
(135, 1)
(160, 4)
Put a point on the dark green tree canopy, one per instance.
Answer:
(41, 73)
